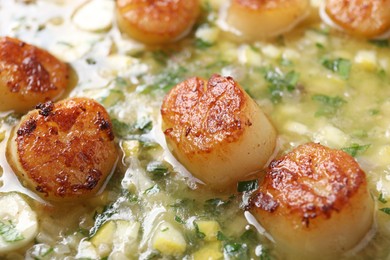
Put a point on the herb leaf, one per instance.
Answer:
(279, 83)
(340, 66)
(385, 210)
(201, 44)
(9, 233)
(329, 105)
(355, 149)
(244, 186)
(158, 169)
(179, 220)
(382, 198)
(381, 43)
(199, 234)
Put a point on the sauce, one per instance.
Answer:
(315, 83)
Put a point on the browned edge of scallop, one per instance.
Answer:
(156, 22)
(201, 114)
(360, 17)
(65, 150)
(29, 75)
(290, 183)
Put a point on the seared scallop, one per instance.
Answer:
(314, 202)
(157, 21)
(216, 130)
(258, 19)
(28, 76)
(65, 150)
(364, 18)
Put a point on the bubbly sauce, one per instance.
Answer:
(315, 83)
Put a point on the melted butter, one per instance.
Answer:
(99, 58)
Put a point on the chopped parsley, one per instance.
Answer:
(385, 210)
(158, 169)
(152, 190)
(9, 233)
(246, 186)
(382, 43)
(355, 149)
(328, 105)
(340, 66)
(179, 220)
(382, 198)
(278, 83)
(201, 44)
(198, 233)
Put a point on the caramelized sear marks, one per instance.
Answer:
(216, 130)
(152, 21)
(312, 180)
(64, 150)
(204, 113)
(314, 202)
(28, 75)
(251, 20)
(365, 18)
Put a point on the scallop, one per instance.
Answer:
(29, 75)
(362, 18)
(157, 21)
(217, 131)
(314, 202)
(63, 151)
(258, 19)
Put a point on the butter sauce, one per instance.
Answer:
(345, 109)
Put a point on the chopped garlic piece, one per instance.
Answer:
(168, 240)
(94, 16)
(331, 136)
(366, 59)
(207, 34)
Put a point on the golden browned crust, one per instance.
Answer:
(262, 4)
(66, 150)
(311, 181)
(198, 115)
(30, 72)
(361, 17)
(157, 21)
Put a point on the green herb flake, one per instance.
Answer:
(385, 210)
(158, 169)
(280, 83)
(340, 66)
(152, 190)
(103, 217)
(265, 255)
(179, 220)
(382, 198)
(245, 186)
(90, 61)
(320, 46)
(121, 129)
(160, 57)
(355, 149)
(199, 234)
(381, 43)
(9, 233)
(221, 236)
(286, 62)
(236, 250)
(201, 44)
(328, 105)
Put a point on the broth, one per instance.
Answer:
(292, 77)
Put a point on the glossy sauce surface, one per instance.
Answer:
(315, 83)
